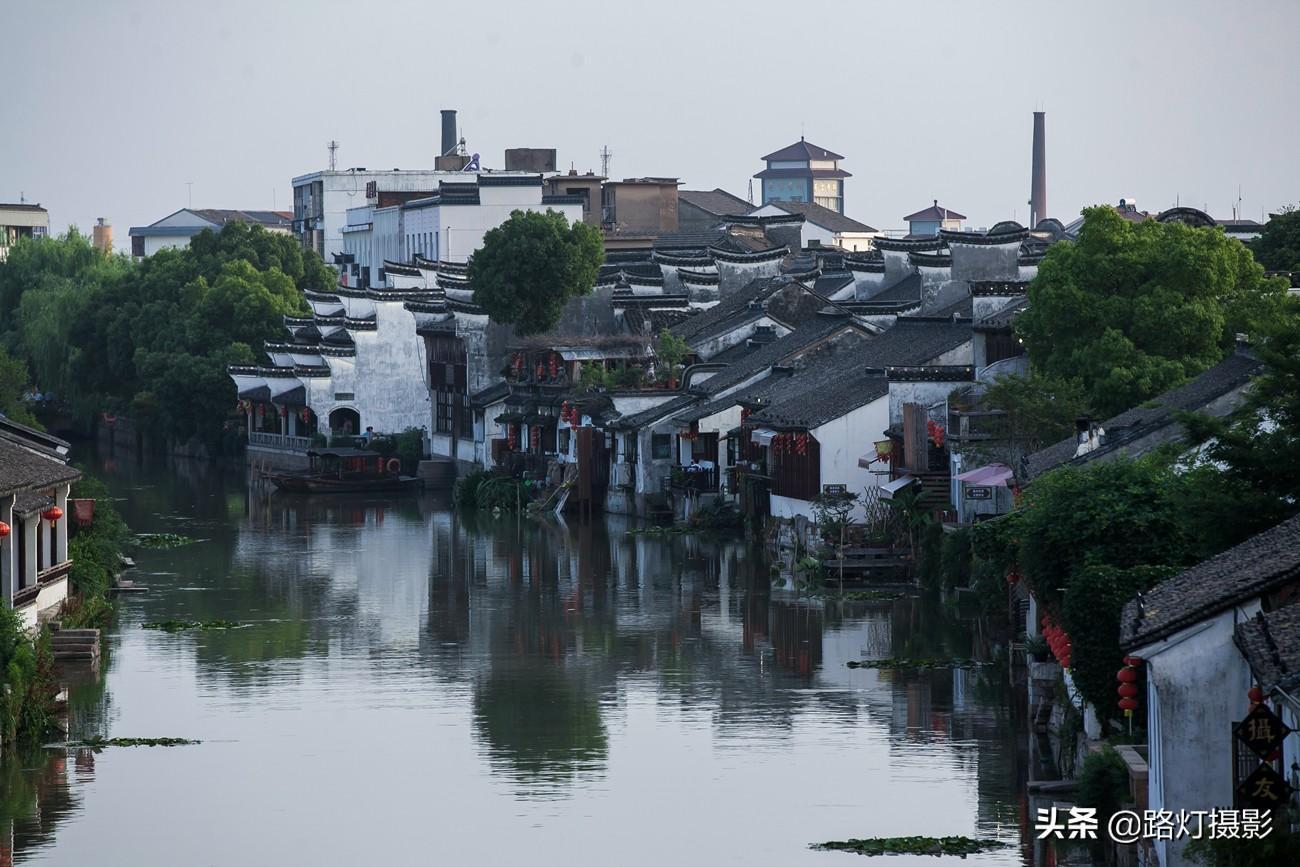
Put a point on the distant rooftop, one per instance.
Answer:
(802, 150)
(934, 212)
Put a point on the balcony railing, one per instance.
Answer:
(702, 481)
(283, 442)
(50, 575)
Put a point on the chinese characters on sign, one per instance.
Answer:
(1262, 786)
(1129, 826)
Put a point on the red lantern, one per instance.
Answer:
(1126, 675)
(1128, 690)
(52, 514)
(4, 529)
(1132, 660)
(553, 366)
(1255, 694)
(284, 411)
(1128, 705)
(534, 436)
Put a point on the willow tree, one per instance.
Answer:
(532, 265)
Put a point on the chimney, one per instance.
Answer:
(448, 131)
(1038, 173)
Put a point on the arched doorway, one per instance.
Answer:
(345, 421)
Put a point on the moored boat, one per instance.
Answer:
(346, 471)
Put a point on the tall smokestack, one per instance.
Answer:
(448, 131)
(1038, 174)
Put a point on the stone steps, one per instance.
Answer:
(75, 644)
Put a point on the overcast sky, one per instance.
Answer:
(110, 108)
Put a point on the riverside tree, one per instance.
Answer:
(531, 265)
(152, 339)
(1131, 310)
(1278, 246)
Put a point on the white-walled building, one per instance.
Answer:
(1188, 632)
(363, 358)
(321, 200)
(34, 482)
(824, 227)
(176, 229)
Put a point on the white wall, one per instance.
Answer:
(1196, 688)
(843, 441)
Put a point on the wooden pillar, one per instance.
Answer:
(60, 534)
(31, 538)
(7, 548)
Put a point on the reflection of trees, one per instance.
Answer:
(35, 795)
(543, 725)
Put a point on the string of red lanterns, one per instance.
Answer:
(1057, 639)
(1128, 688)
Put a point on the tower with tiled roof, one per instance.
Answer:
(804, 172)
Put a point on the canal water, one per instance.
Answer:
(409, 684)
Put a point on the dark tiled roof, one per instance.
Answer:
(830, 283)
(1004, 316)
(221, 216)
(794, 343)
(490, 395)
(907, 289)
(655, 413)
(802, 150)
(716, 201)
(1271, 644)
(689, 240)
(26, 504)
(811, 398)
(962, 308)
(652, 320)
(30, 460)
(1254, 567)
(934, 212)
(823, 216)
(734, 306)
(1233, 372)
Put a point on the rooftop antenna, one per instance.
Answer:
(605, 154)
(22, 199)
(751, 191)
(333, 149)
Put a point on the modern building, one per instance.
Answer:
(321, 200)
(635, 211)
(824, 227)
(929, 221)
(175, 230)
(21, 221)
(804, 172)
(34, 483)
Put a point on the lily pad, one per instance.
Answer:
(162, 540)
(920, 664)
(98, 743)
(960, 846)
(174, 626)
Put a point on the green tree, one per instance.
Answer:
(1131, 310)
(13, 384)
(531, 265)
(1041, 410)
(1259, 445)
(1278, 246)
(671, 350)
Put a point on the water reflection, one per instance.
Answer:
(547, 685)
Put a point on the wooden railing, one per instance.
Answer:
(53, 574)
(279, 441)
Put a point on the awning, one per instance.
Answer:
(888, 489)
(993, 474)
(762, 436)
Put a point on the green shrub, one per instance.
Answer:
(96, 550)
(465, 494)
(409, 446)
(27, 675)
(1103, 783)
(86, 612)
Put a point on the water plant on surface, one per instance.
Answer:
(960, 846)
(98, 743)
(919, 663)
(183, 625)
(162, 540)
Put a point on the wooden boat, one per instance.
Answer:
(346, 471)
